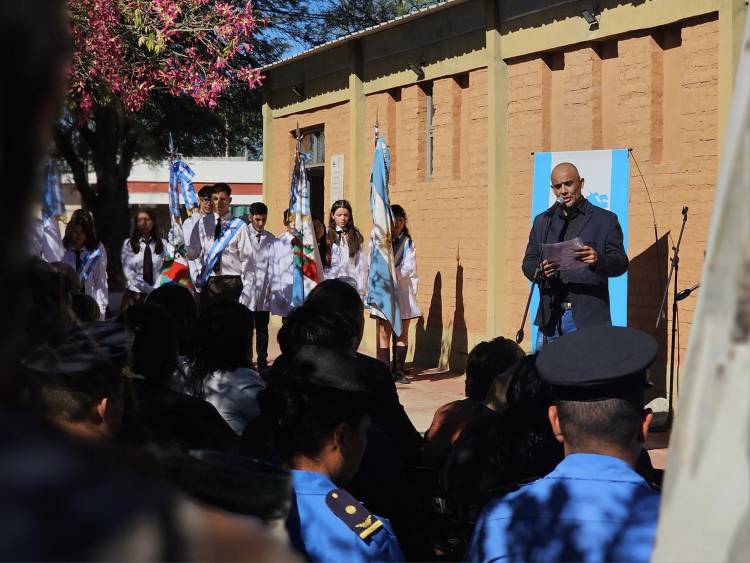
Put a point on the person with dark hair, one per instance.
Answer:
(486, 361)
(180, 304)
(89, 258)
(598, 376)
(324, 248)
(224, 250)
(191, 232)
(405, 261)
(257, 294)
(221, 373)
(85, 307)
(78, 384)
(169, 418)
(281, 298)
(348, 260)
(321, 417)
(142, 257)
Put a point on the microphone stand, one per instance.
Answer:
(538, 279)
(675, 260)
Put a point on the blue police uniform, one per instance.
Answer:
(590, 508)
(323, 533)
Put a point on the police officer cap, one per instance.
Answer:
(329, 368)
(597, 363)
(83, 349)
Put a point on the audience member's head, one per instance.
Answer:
(85, 307)
(598, 377)
(154, 355)
(78, 384)
(319, 412)
(70, 278)
(486, 361)
(51, 307)
(314, 324)
(222, 338)
(337, 295)
(180, 304)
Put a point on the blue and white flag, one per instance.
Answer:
(53, 202)
(181, 181)
(382, 287)
(308, 268)
(607, 175)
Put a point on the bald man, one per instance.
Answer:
(579, 298)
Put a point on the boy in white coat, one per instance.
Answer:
(256, 296)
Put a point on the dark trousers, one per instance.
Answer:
(260, 326)
(130, 298)
(220, 288)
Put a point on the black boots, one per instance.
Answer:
(397, 367)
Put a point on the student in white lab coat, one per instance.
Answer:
(405, 259)
(348, 260)
(143, 255)
(257, 294)
(281, 300)
(89, 258)
(191, 232)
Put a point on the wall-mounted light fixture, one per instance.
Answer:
(299, 91)
(417, 69)
(591, 15)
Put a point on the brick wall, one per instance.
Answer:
(654, 92)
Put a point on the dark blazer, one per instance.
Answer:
(586, 289)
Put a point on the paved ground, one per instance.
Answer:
(430, 389)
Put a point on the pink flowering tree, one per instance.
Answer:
(131, 56)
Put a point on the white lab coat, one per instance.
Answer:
(132, 265)
(281, 299)
(408, 281)
(96, 284)
(257, 294)
(353, 268)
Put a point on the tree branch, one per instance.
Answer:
(80, 177)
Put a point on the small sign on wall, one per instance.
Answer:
(337, 177)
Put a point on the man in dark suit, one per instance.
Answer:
(574, 299)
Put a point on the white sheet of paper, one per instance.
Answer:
(563, 254)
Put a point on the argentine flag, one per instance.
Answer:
(382, 287)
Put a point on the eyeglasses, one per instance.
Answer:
(566, 183)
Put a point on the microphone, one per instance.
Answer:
(685, 293)
(555, 206)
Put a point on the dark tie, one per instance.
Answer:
(258, 237)
(148, 265)
(78, 260)
(217, 235)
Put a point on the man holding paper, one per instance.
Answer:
(574, 247)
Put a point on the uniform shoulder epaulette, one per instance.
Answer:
(352, 513)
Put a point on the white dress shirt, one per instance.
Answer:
(352, 268)
(281, 300)
(257, 294)
(96, 284)
(46, 242)
(235, 395)
(236, 259)
(191, 234)
(132, 265)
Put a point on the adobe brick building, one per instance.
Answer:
(464, 92)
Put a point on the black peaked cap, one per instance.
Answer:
(83, 349)
(597, 363)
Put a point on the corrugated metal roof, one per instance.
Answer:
(437, 6)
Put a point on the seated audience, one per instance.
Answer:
(593, 506)
(169, 418)
(85, 307)
(485, 361)
(320, 413)
(221, 371)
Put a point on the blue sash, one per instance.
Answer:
(88, 263)
(398, 253)
(227, 234)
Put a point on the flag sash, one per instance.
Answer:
(227, 234)
(88, 263)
